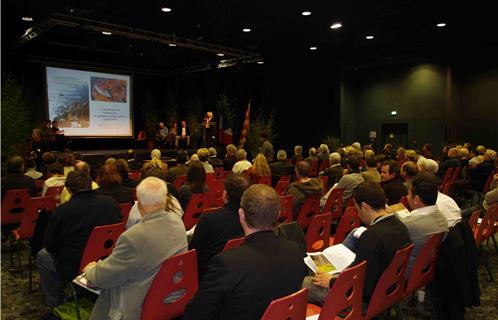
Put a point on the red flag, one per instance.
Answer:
(245, 127)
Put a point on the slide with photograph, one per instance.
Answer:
(89, 103)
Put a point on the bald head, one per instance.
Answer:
(427, 165)
(260, 204)
(82, 166)
(151, 195)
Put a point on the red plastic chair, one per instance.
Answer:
(473, 219)
(286, 209)
(333, 204)
(55, 192)
(447, 177)
(390, 287)
(234, 243)
(310, 208)
(210, 210)
(14, 204)
(291, 307)
(349, 221)
(456, 174)
(324, 165)
(487, 185)
(481, 233)
(225, 174)
(325, 181)
(173, 286)
(134, 193)
(350, 203)
(134, 175)
(100, 243)
(216, 188)
(425, 265)
(281, 187)
(179, 181)
(404, 201)
(313, 169)
(318, 234)
(344, 300)
(39, 186)
(210, 177)
(125, 211)
(218, 172)
(196, 205)
(27, 228)
(284, 177)
(265, 180)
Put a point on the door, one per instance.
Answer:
(396, 134)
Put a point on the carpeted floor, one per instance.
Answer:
(18, 303)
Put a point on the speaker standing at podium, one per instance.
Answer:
(209, 130)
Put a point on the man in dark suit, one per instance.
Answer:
(183, 134)
(215, 229)
(68, 230)
(240, 283)
(280, 167)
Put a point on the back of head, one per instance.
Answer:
(152, 192)
(56, 168)
(281, 155)
(261, 205)
(77, 181)
(181, 156)
(298, 150)
(410, 169)
(151, 172)
(312, 151)
(323, 148)
(240, 154)
(109, 175)
(371, 193)
(371, 162)
(481, 149)
(261, 164)
(203, 154)
(196, 175)
(303, 169)
(453, 152)
(130, 154)
(424, 185)
(354, 161)
(48, 158)
(123, 168)
(15, 165)
(427, 165)
(356, 145)
(29, 163)
(77, 156)
(235, 185)
(369, 153)
(490, 155)
(334, 158)
(155, 154)
(212, 152)
(82, 166)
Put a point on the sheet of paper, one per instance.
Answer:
(82, 281)
(332, 260)
(357, 233)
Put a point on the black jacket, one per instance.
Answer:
(71, 224)
(280, 168)
(241, 283)
(118, 192)
(212, 233)
(394, 190)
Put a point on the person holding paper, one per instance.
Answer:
(126, 275)
(378, 244)
(241, 282)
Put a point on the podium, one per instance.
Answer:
(209, 135)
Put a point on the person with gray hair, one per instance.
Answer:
(126, 275)
(427, 165)
(335, 171)
(155, 154)
(242, 164)
(298, 154)
(241, 282)
(213, 159)
(280, 167)
(230, 158)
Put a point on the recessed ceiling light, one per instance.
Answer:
(336, 25)
(107, 33)
(246, 30)
(441, 24)
(165, 9)
(260, 62)
(306, 13)
(369, 37)
(172, 44)
(313, 47)
(27, 18)
(220, 54)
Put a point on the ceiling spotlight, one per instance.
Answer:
(27, 18)
(441, 24)
(369, 37)
(246, 30)
(107, 33)
(220, 54)
(165, 9)
(306, 13)
(172, 44)
(313, 48)
(260, 62)
(336, 25)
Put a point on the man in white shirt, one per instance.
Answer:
(242, 164)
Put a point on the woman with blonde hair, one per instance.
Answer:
(260, 168)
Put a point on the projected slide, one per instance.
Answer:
(89, 103)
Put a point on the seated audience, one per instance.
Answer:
(230, 158)
(349, 181)
(409, 170)
(203, 154)
(259, 168)
(280, 167)
(79, 166)
(242, 164)
(30, 166)
(180, 169)
(15, 178)
(334, 172)
(377, 245)
(133, 164)
(451, 162)
(303, 187)
(126, 275)
(298, 154)
(214, 230)
(109, 181)
(391, 182)
(67, 233)
(57, 178)
(124, 171)
(480, 173)
(491, 197)
(371, 174)
(241, 283)
(213, 159)
(311, 155)
(195, 183)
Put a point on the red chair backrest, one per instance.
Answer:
(210, 177)
(281, 187)
(173, 286)
(350, 203)
(488, 182)
(425, 265)
(456, 174)
(349, 221)
(216, 188)
(234, 243)
(265, 180)
(324, 165)
(404, 201)
(473, 219)
(314, 169)
(134, 175)
(210, 210)
(197, 203)
(310, 208)
(55, 192)
(291, 307)
(100, 243)
(28, 222)
(179, 181)
(484, 228)
(325, 183)
(285, 177)
(218, 172)
(39, 185)
(493, 217)
(125, 211)
(285, 214)
(318, 233)
(14, 204)
(225, 174)
(390, 287)
(333, 204)
(345, 296)
(447, 176)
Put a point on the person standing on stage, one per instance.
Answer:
(209, 130)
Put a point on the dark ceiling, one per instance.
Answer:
(402, 29)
